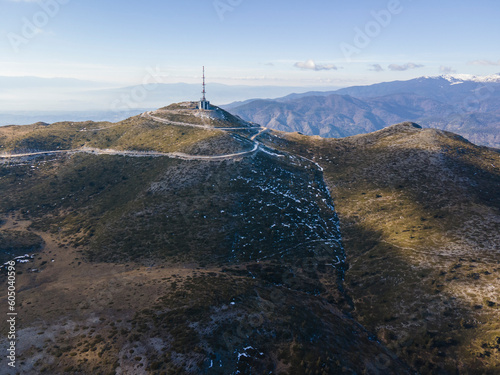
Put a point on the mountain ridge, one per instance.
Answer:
(243, 265)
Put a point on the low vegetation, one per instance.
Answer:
(156, 265)
(136, 133)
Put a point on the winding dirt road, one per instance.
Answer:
(175, 155)
(136, 154)
(206, 127)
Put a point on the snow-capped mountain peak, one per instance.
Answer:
(456, 79)
(459, 78)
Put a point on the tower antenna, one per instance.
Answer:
(204, 104)
(204, 86)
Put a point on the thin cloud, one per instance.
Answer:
(446, 69)
(402, 68)
(311, 65)
(485, 62)
(376, 68)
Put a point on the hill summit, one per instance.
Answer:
(188, 113)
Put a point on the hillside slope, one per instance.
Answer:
(419, 213)
(153, 265)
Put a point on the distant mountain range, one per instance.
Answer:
(464, 104)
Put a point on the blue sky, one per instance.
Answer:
(254, 42)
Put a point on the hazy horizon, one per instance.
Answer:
(22, 98)
(34, 94)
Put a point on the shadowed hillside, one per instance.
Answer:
(419, 213)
